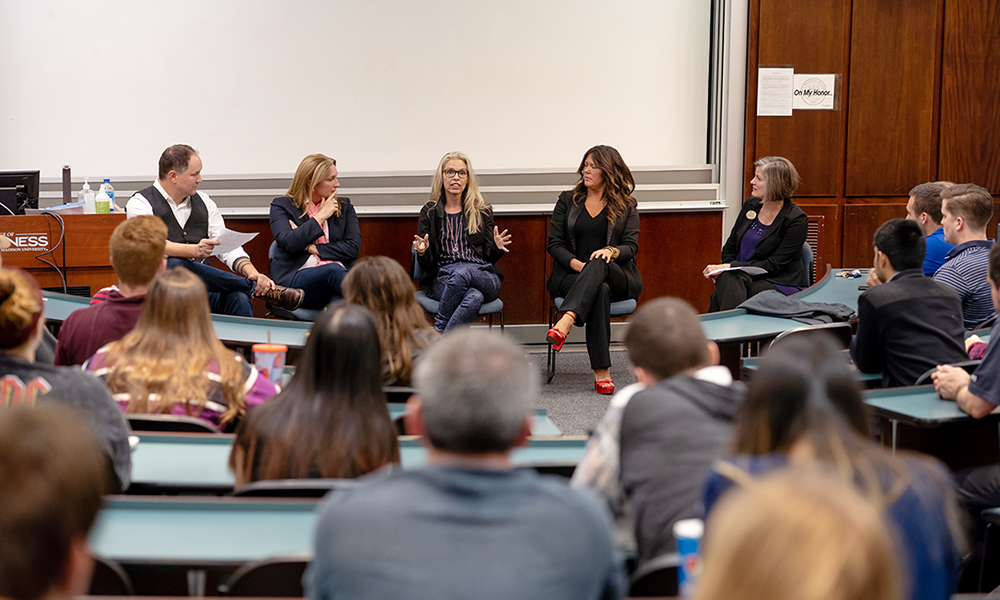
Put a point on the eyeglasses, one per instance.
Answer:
(449, 173)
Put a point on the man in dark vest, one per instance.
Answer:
(193, 224)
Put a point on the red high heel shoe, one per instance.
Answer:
(556, 338)
(605, 387)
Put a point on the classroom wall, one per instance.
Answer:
(383, 85)
(918, 82)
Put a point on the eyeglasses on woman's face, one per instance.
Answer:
(450, 173)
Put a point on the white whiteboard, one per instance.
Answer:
(255, 85)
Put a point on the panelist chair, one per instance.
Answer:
(299, 314)
(808, 262)
(622, 308)
(430, 305)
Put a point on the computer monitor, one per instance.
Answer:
(18, 190)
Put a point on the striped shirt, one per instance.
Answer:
(965, 269)
(455, 246)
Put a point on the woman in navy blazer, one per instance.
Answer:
(593, 237)
(768, 234)
(317, 233)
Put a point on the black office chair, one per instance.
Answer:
(430, 305)
(299, 314)
(276, 577)
(658, 577)
(621, 308)
(171, 423)
(293, 488)
(109, 579)
(968, 365)
(398, 394)
(987, 323)
(841, 332)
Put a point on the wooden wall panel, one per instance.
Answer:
(970, 86)
(860, 223)
(830, 233)
(673, 250)
(790, 34)
(890, 134)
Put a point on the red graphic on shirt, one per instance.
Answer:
(13, 391)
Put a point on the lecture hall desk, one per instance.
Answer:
(914, 418)
(731, 329)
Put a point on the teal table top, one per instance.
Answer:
(542, 424)
(238, 330)
(738, 326)
(201, 461)
(752, 364)
(918, 406)
(202, 532)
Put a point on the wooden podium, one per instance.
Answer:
(86, 261)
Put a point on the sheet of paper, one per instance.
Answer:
(230, 240)
(748, 270)
(774, 92)
(814, 92)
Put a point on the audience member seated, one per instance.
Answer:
(53, 478)
(966, 210)
(593, 238)
(172, 363)
(136, 256)
(45, 353)
(799, 535)
(924, 209)
(683, 407)
(382, 286)
(458, 245)
(804, 406)
(768, 234)
(193, 226)
(979, 395)
(26, 382)
(317, 233)
(467, 525)
(911, 322)
(332, 420)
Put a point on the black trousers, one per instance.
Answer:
(732, 288)
(589, 294)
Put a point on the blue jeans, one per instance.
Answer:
(461, 289)
(228, 293)
(321, 284)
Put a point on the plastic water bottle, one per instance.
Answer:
(110, 191)
(87, 196)
(102, 203)
(688, 533)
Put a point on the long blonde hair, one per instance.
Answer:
(473, 204)
(164, 360)
(380, 284)
(798, 535)
(311, 171)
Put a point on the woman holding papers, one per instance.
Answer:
(316, 234)
(593, 237)
(766, 241)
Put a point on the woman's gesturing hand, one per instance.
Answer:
(502, 239)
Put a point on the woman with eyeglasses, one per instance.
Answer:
(458, 245)
(593, 237)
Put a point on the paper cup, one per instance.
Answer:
(270, 360)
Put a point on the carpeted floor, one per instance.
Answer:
(570, 399)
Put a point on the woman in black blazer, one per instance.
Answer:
(593, 237)
(768, 234)
(458, 245)
(317, 233)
